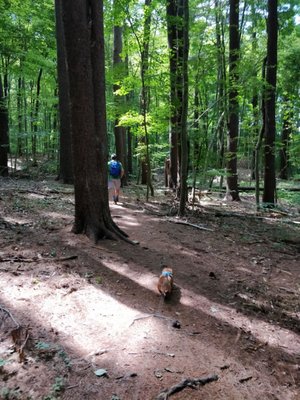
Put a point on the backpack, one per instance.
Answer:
(115, 169)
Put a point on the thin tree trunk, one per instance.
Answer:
(65, 148)
(221, 89)
(185, 85)
(4, 138)
(145, 97)
(260, 137)
(19, 150)
(173, 130)
(286, 133)
(119, 131)
(233, 124)
(35, 118)
(270, 104)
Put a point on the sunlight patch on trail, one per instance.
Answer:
(96, 316)
(265, 332)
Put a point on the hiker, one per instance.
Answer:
(116, 171)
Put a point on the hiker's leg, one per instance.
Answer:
(113, 190)
(117, 191)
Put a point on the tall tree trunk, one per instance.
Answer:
(84, 36)
(185, 88)
(221, 88)
(145, 96)
(260, 137)
(233, 123)
(4, 139)
(270, 103)
(35, 118)
(255, 99)
(19, 150)
(65, 148)
(173, 130)
(119, 68)
(286, 132)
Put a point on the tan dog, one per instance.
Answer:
(165, 282)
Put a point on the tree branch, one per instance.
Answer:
(190, 382)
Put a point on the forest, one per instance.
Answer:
(200, 102)
(187, 83)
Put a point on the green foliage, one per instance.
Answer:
(28, 43)
(11, 394)
(43, 346)
(56, 389)
(289, 196)
(59, 385)
(63, 355)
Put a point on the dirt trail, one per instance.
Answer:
(99, 330)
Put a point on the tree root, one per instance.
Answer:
(193, 383)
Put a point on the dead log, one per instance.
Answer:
(189, 382)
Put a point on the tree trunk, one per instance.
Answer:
(233, 123)
(173, 130)
(270, 103)
(119, 69)
(145, 96)
(84, 36)
(287, 129)
(65, 148)
(19, 149)
(4, 140)
(255, 99)
(221, 89)
(185, 88)
(35, 118)
(260, 137)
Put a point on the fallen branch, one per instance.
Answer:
(201, 227)
(149, 316)
(35, 259)
(192, 383)
(7, 313)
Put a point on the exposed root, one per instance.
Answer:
(193, 383)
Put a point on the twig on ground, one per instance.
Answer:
(192, 382)
(8, 313)
(72, 386)
(149, 316)
(203, 228)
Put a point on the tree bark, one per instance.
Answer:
(83, 27)
(119, 69)
(65, 138)
(233, 123)
(185, 88)
(270, 103)
(145, 98)
(260, 137)
(286, 132)
(4, 138)
(35, 118)
(221, 88)
(173, 130)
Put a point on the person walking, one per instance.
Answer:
(116, 172)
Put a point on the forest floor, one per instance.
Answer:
(80, 320)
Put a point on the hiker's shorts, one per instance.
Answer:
(114, 183)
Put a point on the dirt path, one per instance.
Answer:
(99, 330)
